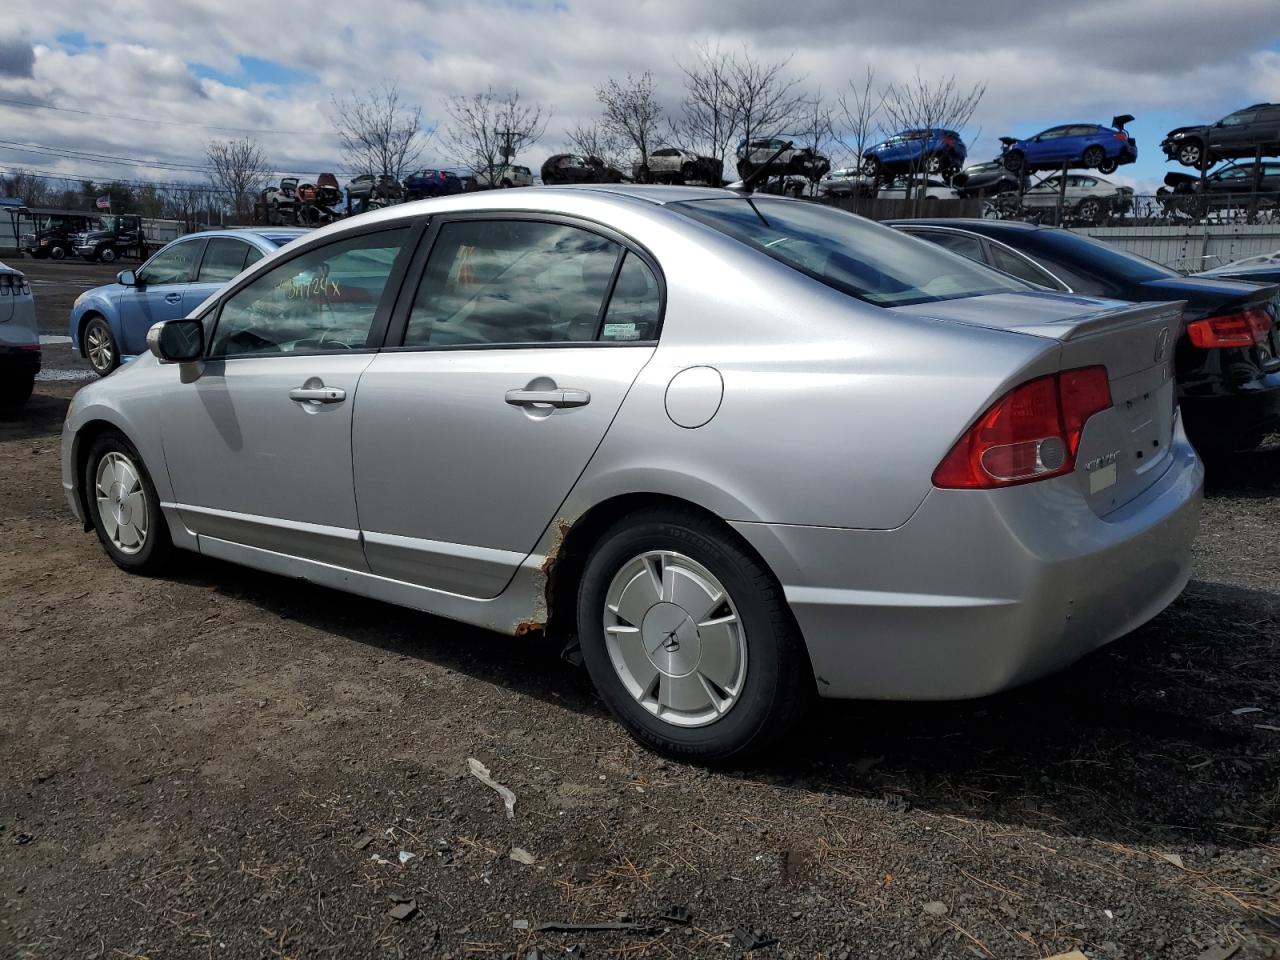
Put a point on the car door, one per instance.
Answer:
(257, 438)
(224, 258)
(158, 293)
(1235, 134)
(1045, 147)
(519, 343)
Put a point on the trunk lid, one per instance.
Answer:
(1125, 449)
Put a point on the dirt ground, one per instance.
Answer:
(223, 763)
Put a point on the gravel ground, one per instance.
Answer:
(223, 763)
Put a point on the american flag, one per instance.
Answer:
(103, 203)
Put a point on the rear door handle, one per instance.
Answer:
(557, 397)
(318, 394)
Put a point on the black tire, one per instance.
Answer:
(1108, 166)
(107, 255)
(15, 391)
(1014, 161)
(1094, 157)
(870, 167)
(507, 184)
(99, 346)
(933, 163)
(688, 172)
(777, 687)
(156, 551)
(1191, 153)
(1089, 210)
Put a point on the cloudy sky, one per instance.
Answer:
(154, 80)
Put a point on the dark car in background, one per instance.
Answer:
(431, 183)
(1230, 186)
(930, 151)
(565, 168)
(368, 191)
(986, 180)
(1236, 136)
(1227, 360)
(1089, 145)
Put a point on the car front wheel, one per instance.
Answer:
(100, 347)
(688, 639)
(1013, 161)
(123, 506)
(1191, 154)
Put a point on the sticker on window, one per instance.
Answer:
(620, 331)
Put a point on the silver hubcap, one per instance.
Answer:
(675, 639)
(99, 346)
(122, 506)
(1190, 156)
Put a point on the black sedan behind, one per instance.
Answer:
(1227, 360)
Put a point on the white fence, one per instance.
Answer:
(1195, 246)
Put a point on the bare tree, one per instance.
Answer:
(597, 140)
(929, 105)
(488, 129)
(238, 169)
(708, 118)
(35, 191)
(632, 113)
(763, 95)
(815, 127)
(380, 133)
(859, 107)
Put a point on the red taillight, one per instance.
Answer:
(1121, 135)
(1242, 329)
(949, 142)
(1031, 433)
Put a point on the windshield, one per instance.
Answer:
(876, 264)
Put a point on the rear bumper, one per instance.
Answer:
(15, 361)
(981, 591)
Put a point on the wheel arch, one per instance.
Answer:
(82, 443)
(82, 322)
(573, 542)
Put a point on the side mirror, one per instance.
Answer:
(177, 341)
(127, 278)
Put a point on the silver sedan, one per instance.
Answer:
(746, 449)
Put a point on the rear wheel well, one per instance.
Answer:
(564, 571)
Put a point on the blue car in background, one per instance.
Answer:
(1088, 145)
(110, 323)
(939, 152)
(432, 183)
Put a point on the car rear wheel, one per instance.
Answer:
(107, 255)
(1089, 210)
(1094, 157)
(123, 506)
(689, 640)
(100, 347)
(933, 163)
(870, 167)
(1191, 154)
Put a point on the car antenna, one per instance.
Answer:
(749, 183)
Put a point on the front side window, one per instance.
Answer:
(1238, 119)
(223, 259)
(860, 258)
(323, 300)
(511, 281)
(175, 264)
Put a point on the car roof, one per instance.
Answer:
(277, 236)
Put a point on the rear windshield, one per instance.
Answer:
(1092, 257)
(855, 256)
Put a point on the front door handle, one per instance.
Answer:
(555, 397)
(318, 394)
(173, 298)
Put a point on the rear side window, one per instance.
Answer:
(322, 300)
(636, 303)
(969, 247)
(223, 259)
(1021, 267)
(511, 282)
